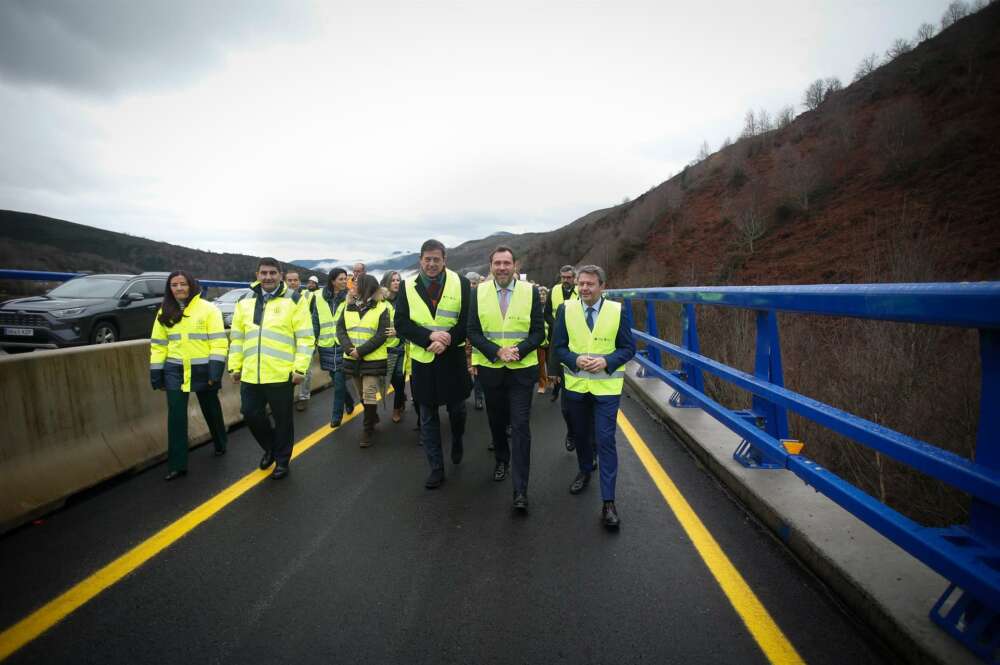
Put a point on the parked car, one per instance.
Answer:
(91, 309)
(227, 303)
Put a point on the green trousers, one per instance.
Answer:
(177, 425)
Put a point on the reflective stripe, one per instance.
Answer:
(236, 334)
(361, 329)
(358, 341)
(328, 336)
(217, 335)
(175, 361)
(174, 336)
(219, 357)
(199, 361)
(304, 347)
(267, 351)
(496, 334)
(596, 376)
(155, 365)
(446, 312)
(237, 348)
(439, 328)
(159, 342)
(278, 337)
(304, 332)
(197, 335)
(253, 334)
(250, 351)
(328, 324)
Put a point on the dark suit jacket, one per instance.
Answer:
(446, 379)
(494, 376)
(624, 342)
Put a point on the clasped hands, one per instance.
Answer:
(440, 340)
(508, 354)
(591, 363)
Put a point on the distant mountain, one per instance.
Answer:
(317, 264)
(35, 242)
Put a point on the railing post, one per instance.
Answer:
(689, 340)
(652, 329)
(984, 518)
(629, 318)
(767, 366)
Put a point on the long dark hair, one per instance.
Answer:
(367, 289)
(387, 284)
(171, 309)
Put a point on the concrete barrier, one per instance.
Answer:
(72, 418)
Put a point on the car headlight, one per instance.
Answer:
(68, 313)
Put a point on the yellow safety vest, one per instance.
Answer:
(269, 353)
(555, 293)
(328, 322)
(505, 330)
(599, 342)
(362, 328)
(392, 342)
(445, 318)
(199, 338)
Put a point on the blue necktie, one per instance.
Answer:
(590, 318)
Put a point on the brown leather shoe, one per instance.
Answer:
(397, 415)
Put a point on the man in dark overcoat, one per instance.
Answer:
(431, 314)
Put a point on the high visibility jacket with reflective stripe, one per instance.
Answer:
(328, 322)
(392, 342)
(557, 296)
(599, 342)
(283, 344)
(503, 330)
(362, 328)
(199, 338)
(444, 319)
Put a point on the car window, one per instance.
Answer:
(141, 286)
(88, 287)
(232, 296)
(156, 286)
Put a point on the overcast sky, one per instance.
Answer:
(351, 130)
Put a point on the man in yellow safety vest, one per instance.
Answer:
(271, 346)
(593, 342)
(506, 326)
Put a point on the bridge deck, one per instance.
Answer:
(350, 558)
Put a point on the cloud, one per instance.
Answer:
(113, 46)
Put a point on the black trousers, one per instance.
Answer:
(279, 435)
(508, 402)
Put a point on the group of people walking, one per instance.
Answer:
(444, 332)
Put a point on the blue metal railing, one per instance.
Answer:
(967, 555)
(42, 276)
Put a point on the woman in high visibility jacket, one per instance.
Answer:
(543, 348)
(331, 356)
(362, 333)
(391, 281)
(187, 353)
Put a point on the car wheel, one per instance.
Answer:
(104, 332)
(17, 349)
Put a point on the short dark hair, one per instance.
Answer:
(334, 274)
(503, 248)
(568, 268)
(292, 272)
(433, 245)
(596, 271)
(269, 261)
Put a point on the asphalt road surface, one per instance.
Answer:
(350, 559)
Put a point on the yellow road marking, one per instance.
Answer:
(755, 616)
(39, 621)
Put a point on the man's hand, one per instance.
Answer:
(597, 363)
(508, 354)
(236, 377)
(473, 371)
(297, 378)
(354, 354)
(437, 348)
(442, 337)
(390, 332)
(582, 362)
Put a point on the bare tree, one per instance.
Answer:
(704, 151)
(924, 32)
(831, 85)
(750, 124)
(956, 11)
(797, 174)
(784, 117)
(764, 124)
(898, 48)
(814, 95)
(897, 132)
(867, 65)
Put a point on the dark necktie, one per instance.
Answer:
(590, 318)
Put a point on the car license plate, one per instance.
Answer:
(19, 332)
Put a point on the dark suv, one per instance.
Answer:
(92, 309)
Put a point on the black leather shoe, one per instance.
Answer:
(555, 392)
(570, 446)
(579, 483)
(335, 423)
(609, 516)
(174, 475)
(491, 447)
(479, 403)
(219, 452)
(500, 471)
(520, 501)
(266, 460)
(435, 479)
(279, 472)
(457, 450)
